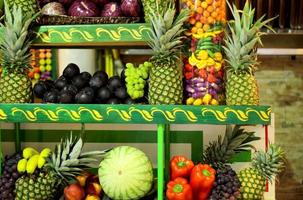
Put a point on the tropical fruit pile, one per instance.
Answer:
(203, 69)
(214, 178)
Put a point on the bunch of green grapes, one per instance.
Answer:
(136, 78)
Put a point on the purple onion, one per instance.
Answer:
(130, 8)
(111, 10)
(83, 8)
(212, 91)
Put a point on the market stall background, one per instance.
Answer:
(281, 76)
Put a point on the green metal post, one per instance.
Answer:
(160, 139)
(17, 137)
(167, 152)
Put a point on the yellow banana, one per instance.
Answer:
(41, 161)
(21, 167)
(45, 152)
(29, 152)
(32, 164)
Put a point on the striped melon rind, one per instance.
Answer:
(126, 173)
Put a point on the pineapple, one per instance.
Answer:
(241, 56)
(264, 166)
(15, 85)
(236, 139)
(150, 6)
(166, 86)
(219, 153)
(66, 162)
(28, 6)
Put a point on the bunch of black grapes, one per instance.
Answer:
(227, 185)
(9, 177)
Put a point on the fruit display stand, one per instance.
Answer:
(162, 115)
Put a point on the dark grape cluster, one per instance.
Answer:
(227, 185)
(9, 177)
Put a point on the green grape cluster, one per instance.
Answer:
(136, 79)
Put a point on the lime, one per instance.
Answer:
(42, 62)
(48, 61)
(48, 68)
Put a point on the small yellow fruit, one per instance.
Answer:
(206, 99)
(202, 64)
(45, 152)
(21, 167)
(218, 56)
(32, 164)
(41, 162)
(210, 62)
(214, 102)
(218, 66)
(203, 55)
(190, 101)
(197, 102)
(29, 152)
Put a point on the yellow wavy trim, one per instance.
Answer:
(262, 115)
(28, 114)
(145, 114)
(240, 114)
(72, 114)
(168, 115)
(189, 114)
(50, 114)
(86, 35)
(218, 114)
(2, 115)
(133, 32)
(143, 28)
(123, 114)
(94, 113)
(269, 111)
(112, 34)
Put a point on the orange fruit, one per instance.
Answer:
(194, 30)
(200, 31)
(214, 14)
(42, 55)
(210, 20)
(192, 21)
(206, 27)
(209, 2)
(210, 9)
(203, 20)
(200, 10)
(198, 25)
(206, 13)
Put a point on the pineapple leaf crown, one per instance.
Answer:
(222, 150)
(68, 160)
(241, 39)
(166, 34)
(269, 163)
(15, 43)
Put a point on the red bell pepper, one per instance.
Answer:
(180, 166)
(202, 179)
(179, 189)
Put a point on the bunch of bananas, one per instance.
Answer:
(32, 159)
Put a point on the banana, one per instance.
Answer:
(207, 43)
(21, 167)
(45, 152)
(41, 161)
(32, 164)
(29, 152)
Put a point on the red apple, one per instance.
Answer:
(74, 192)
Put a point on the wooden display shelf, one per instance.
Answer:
(92, 35)
(134, 114)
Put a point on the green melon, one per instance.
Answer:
(126, 173)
